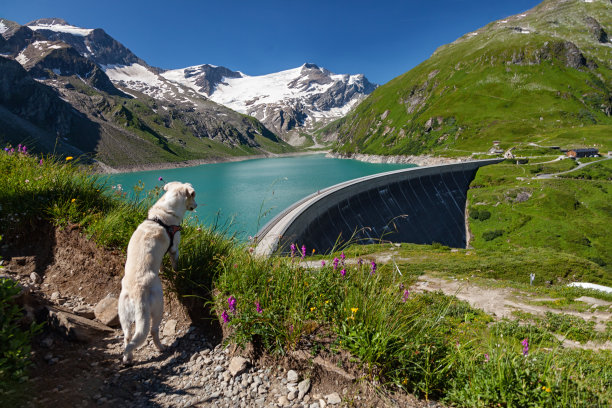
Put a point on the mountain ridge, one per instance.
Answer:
(539, 75)
(126, 127)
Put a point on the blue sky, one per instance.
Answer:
(379, 38)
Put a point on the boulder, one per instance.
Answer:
(75, 327)
(106, 311)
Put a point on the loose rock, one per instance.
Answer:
(238, 365)
(106, 311)
(333, 398)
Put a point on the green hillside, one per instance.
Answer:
(544, 76)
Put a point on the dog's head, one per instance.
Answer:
(183, 191)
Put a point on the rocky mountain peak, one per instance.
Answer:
(48, 21)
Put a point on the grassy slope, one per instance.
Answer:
(429, 344)
(496, 85)
(569, 215)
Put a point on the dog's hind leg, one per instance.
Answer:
(157, 312)
(142, 318)
(126, 317)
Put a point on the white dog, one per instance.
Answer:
(141, 300)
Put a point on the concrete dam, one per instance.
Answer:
(419, 205)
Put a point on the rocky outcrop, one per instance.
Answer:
(207, 77)
(596, 30)
(98, 46)
(30, 100)
(49, 59)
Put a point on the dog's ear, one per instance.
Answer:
(189, 190)
(170, 185)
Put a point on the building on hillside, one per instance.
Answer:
(588, 152)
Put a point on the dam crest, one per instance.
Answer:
(418, 205)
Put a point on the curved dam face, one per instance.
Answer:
(418, 205)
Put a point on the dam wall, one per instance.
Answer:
(418, 205)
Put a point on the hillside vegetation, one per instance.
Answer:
(349, 308)
(544, 76)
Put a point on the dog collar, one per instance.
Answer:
(171, 230)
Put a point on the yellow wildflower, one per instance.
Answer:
(73, 200)
(312, 308)
(69, 158)
(354, 309)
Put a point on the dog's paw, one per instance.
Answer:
(127, 361)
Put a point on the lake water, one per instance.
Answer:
(249, 193)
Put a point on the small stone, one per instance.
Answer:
(292, 376)
(303, 388)
(292, 395)
(84, 311)
(260, 401)
(106, 311)
(47, 342)
(35, 278)
(55, 296)
(170, 328)
(314, 405)
(238, 365)
(333, 398)
(283, 401)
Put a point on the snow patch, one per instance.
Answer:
(242, 94)
(22, 59)
(3, 28)
(134, 72)
(63, 29)
(587, 285)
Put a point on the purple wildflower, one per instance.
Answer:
(322, 263)
(258, 307)
(360, 262)
(292, 250)
(40, 163)
(525, 344)
(401, 286)
(225, 317)
(336, 260)
(161, 178)
(405, 297)
(231, 301)
(303, 251)
(373, 270)
(6, 149)
(342, 257)
(343, 272)
(486, 356)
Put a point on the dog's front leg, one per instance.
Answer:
(174, 251)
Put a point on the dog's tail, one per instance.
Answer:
(142, 319)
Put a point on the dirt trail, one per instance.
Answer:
(501, 302)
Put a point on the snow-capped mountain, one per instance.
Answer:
(81, 88)
(297, 98)
(285, 102)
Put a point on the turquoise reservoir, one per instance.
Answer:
(247, 194)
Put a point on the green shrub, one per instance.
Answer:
(14, 341)
(491, 235)
(481, 215)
